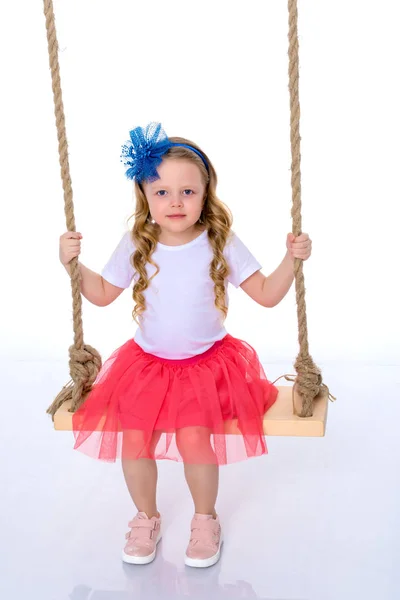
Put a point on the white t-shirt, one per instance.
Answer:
(181, 319)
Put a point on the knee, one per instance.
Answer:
(139, 444)
(191, 440)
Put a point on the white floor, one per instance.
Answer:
(315, 519)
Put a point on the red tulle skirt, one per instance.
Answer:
(204, 409)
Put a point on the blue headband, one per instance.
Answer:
(143, 153)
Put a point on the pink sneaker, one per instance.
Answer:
(205, 541)
(143, 538)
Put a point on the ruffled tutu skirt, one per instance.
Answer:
(204, 409)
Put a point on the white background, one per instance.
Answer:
(317, 518)
(216, 73)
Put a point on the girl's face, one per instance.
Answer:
(180, 190)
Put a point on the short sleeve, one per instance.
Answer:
(119, 270)
(240, 260)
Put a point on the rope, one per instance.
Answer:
(309, 380)
(85, 361)
(292, 378)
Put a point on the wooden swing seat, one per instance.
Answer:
(279, 420)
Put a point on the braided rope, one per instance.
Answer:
(85, 361)
(308, 382)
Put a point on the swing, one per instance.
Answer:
(300, 409)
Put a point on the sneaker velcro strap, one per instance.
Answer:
(143, 523)
(209, 525)
(212, 526)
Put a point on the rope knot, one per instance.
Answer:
(308, 383)
(84, 365)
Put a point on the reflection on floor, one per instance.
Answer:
(316, 519)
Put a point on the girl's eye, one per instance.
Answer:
(187, 190)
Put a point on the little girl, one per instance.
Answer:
(183, 388)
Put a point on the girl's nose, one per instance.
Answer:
(176, 200)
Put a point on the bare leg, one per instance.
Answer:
(202, 479)
(203, 484)
(141, 478)
(140, 474)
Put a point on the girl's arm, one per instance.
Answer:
(269, 291)
(94, 288)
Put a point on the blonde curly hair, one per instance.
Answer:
(216, 217)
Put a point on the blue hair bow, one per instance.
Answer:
(143, 153)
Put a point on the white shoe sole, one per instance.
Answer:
(141, 560)
(206, 562)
